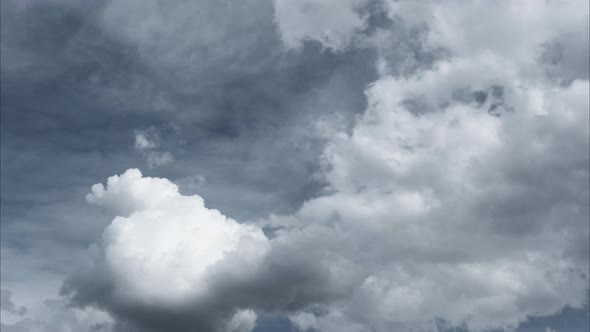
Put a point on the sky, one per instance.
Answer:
(295, 166)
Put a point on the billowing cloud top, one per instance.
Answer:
(163, 249)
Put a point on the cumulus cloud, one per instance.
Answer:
(149, 206)
(168, 262)
(162, 250)
(148, 247)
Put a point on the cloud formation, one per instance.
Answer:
(467, 181)
(57, 315)
(8, 306)
(489, 209)
(168, 262)
(146, 139)
(334, 23)
(146, 143)
(455, 195)
(163, 248)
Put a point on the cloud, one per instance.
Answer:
(464, 182)
(70, 108)
(146, 141)
(333, 23)
(458, 198)
(7, 305)
(168, 262)
(161, 250)
(56, 315)
(242, 321)
(177, 239)
(158, 33)
(480, 204)
(523, 31)
(157, 159)
(458, 203)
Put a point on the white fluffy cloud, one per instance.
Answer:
(168, 238)
(163, 248)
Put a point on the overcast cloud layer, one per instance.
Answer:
(295, 165)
